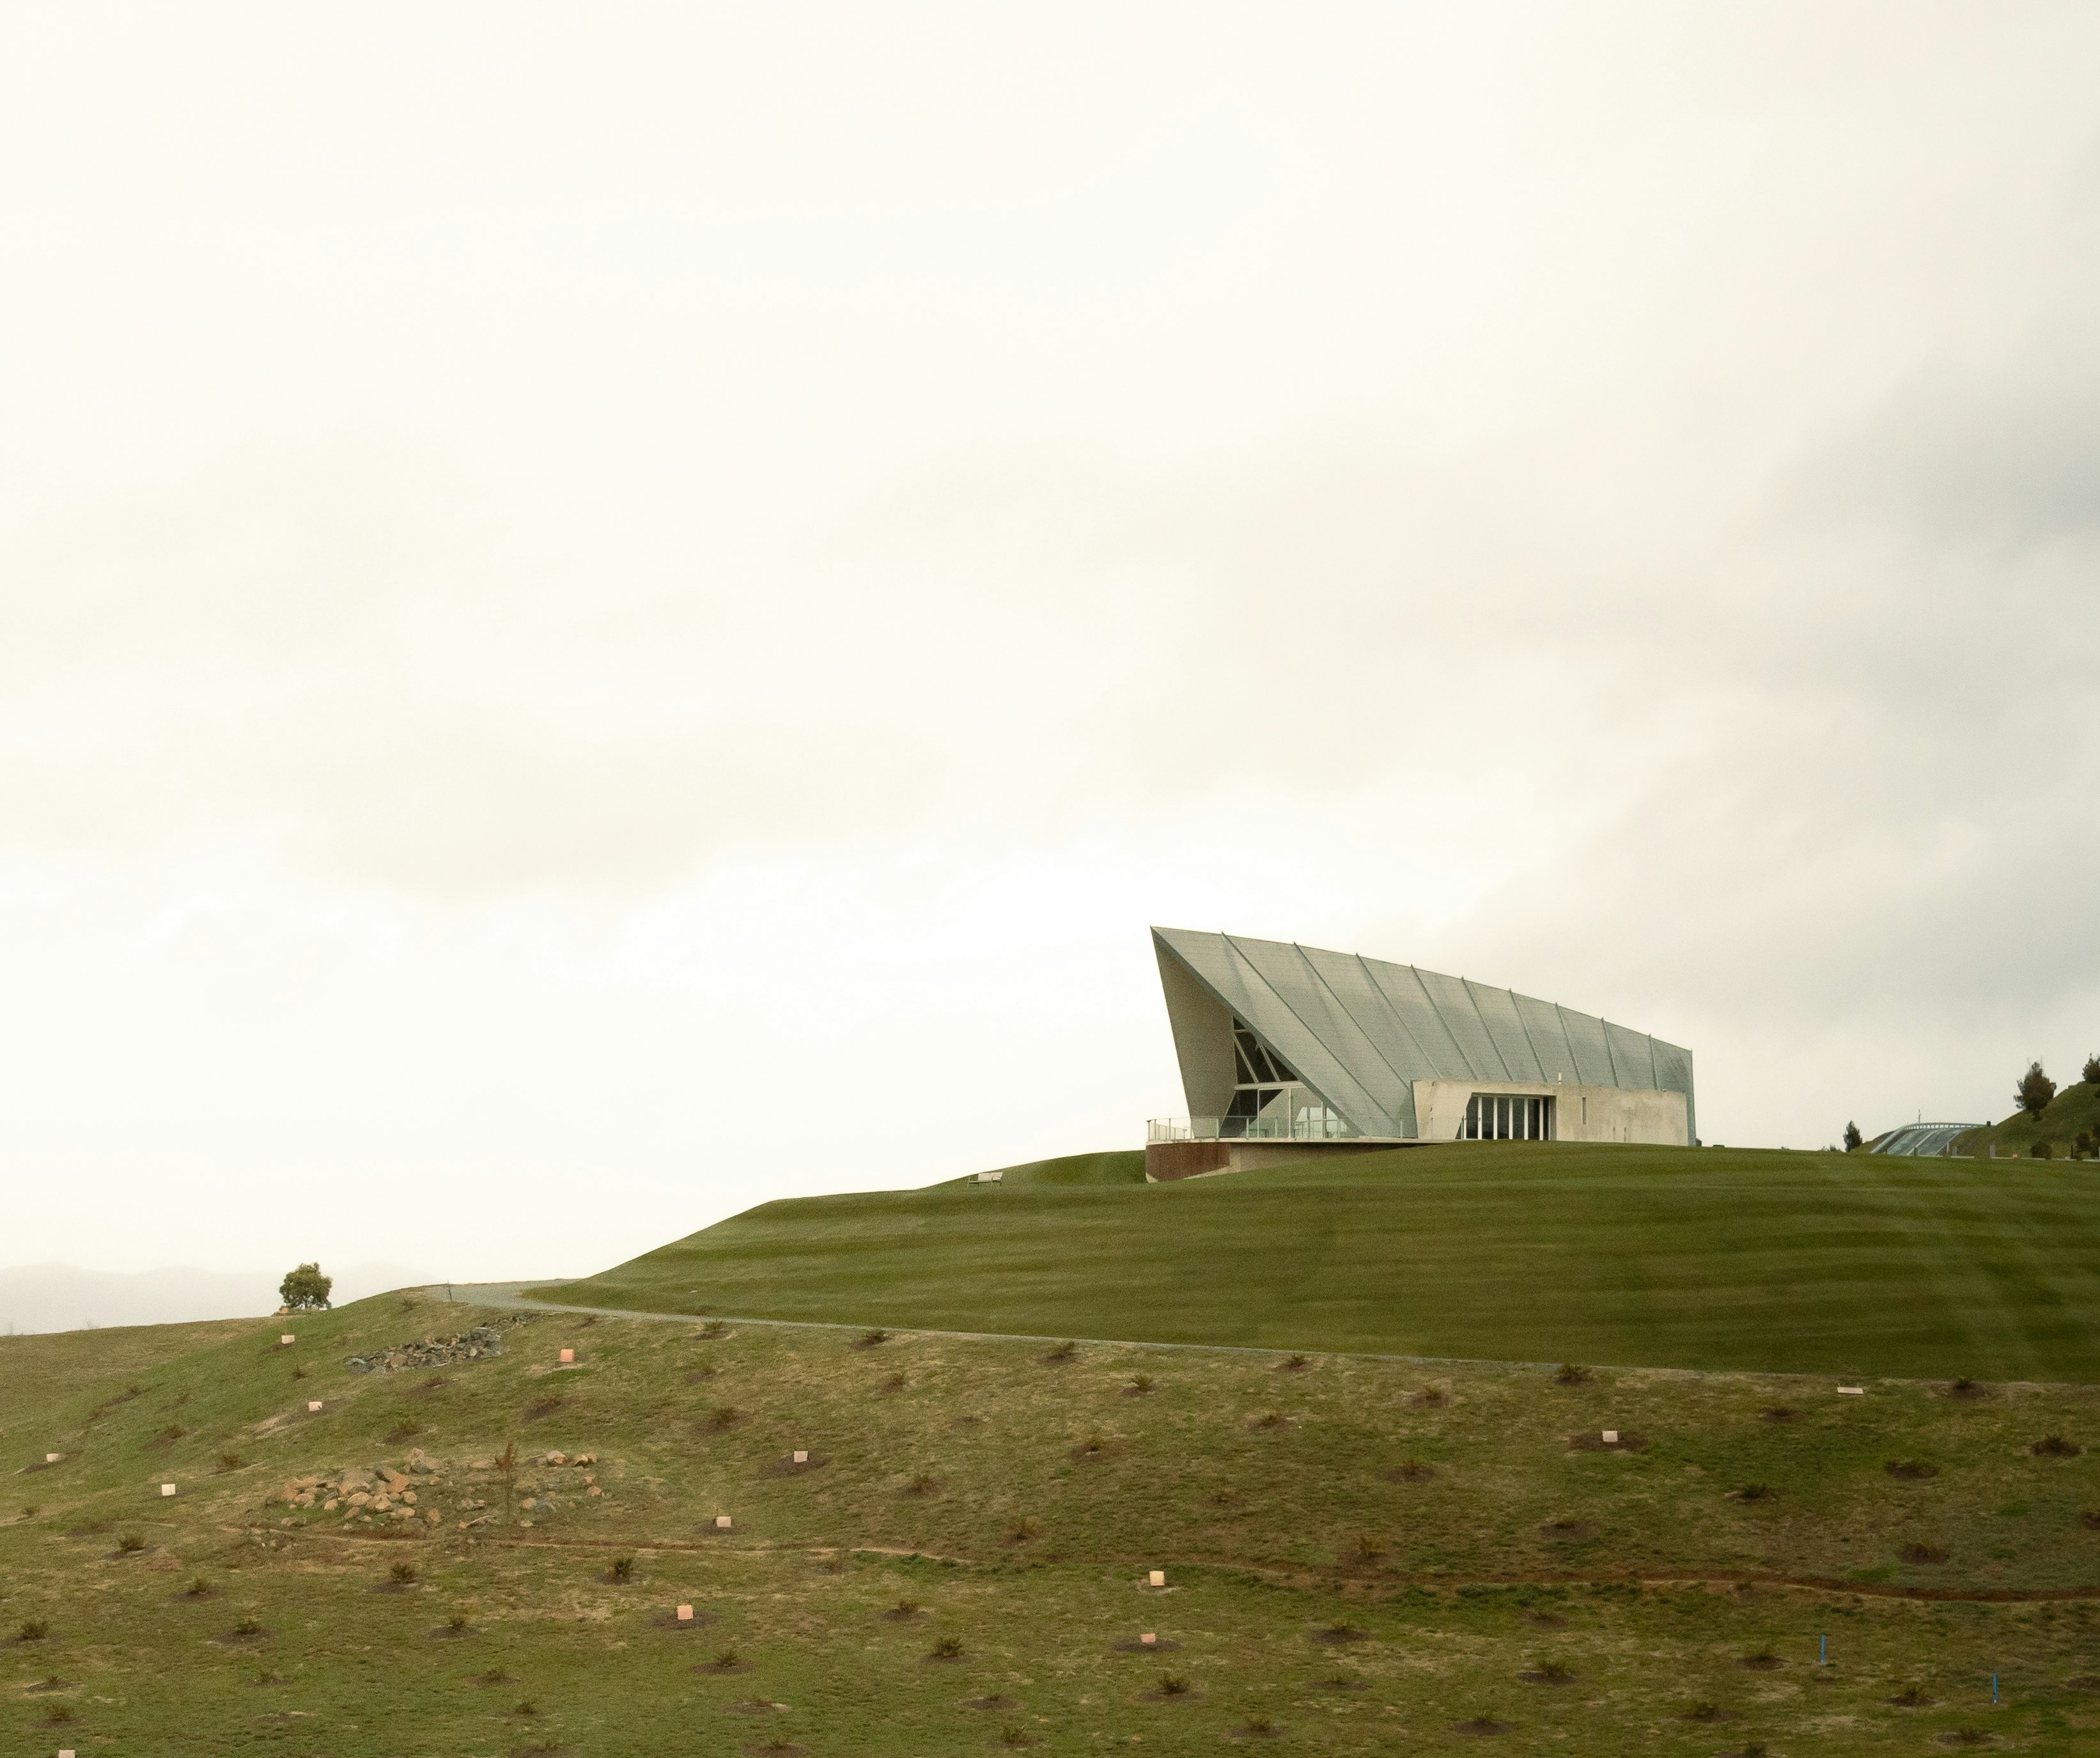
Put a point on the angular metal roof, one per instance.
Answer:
(1360, 1031)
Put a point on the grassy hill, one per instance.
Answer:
(1360, 1555)
(1709, 1258)
(2074, 1111)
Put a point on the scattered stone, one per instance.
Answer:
(479, 1343)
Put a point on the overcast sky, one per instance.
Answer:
(610, 612)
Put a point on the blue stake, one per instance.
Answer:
(1994, 1687)
(1823, 1651)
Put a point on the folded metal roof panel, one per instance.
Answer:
(1359, 1031)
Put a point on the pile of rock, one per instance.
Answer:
(408, 1492)
(483, 1340)
(384, 1492)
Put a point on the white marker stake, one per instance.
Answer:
(167, 1489)
(1158, 1577)
(52, 1458)
(1147, 1638)
(801, 1458)
(685, 1615)
(568, 1355)
(313, 1404)
(285, 1340)
(1611, 1437)
(721, 1520)
(1851, 1391)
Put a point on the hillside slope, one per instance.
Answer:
(1359, 1555)
(2073, 1112)
(1660, 1257)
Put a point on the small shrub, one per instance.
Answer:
(1266, 1421)
(1703, 1711)
(1780, 1413)
(230, 1461)
(1258, 1725)
(2090, 1519)
(2055, 1447)
(1295, 1364)
(1966, 1387)
(724, 1416)
(1414, 1470)
(131, 1543)
(623, 1568)
(1140, 1384)
(1062, 1352)
(1764, 1660)
(1910, 1470)
(1754, 1492)
(545, 1407)
(403, 1574)
(714, 1328)
(1221, 1497)
(1922, 1553)
(32, 1630)
(457, 1623)
(1556, 1672)
(1023, 1530)
(198, 1588)
(727, 1661)
(174, 1431)
(895, 1383)
(948, 1648)
(1173, 1685)
(1368, 1549)
(1568, 1374)
(249, 1625)
(30, 1510)
(525, 1706)
(922, 1483)
(1911, 1696)
(2090, 1073)
(1013, 1733)
(59, 1714)
(2041, 1150)
(407, 1430)
(298, 1373)
(871, 1339)
(906, 1608)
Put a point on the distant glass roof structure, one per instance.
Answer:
(1358, 1032)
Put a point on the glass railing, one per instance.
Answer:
(1311, 1123)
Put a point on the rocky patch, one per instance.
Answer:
(482, 1341)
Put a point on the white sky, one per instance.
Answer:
(610, 612)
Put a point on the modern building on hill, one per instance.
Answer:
(1287, 1051)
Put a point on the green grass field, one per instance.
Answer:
(1362, 1555)
(1712, 1258)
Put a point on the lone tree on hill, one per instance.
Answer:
(2090, 1074)
(2035, 1091)
(1853, 1140)
(305, 1289)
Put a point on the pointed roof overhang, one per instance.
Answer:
(1360, 1031)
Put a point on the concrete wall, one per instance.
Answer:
(1581, 1113)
